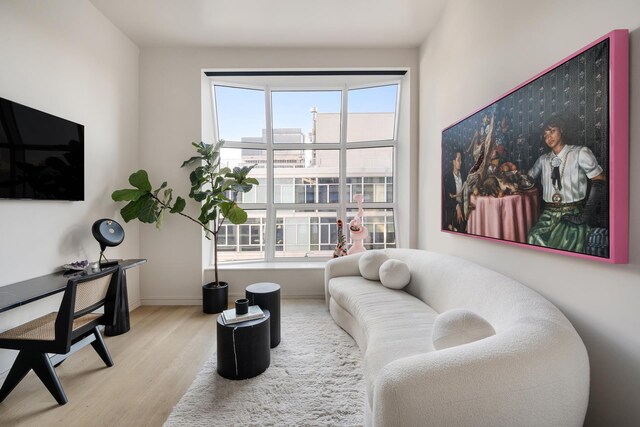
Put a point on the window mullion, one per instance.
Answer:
(396, 124)
(270, 227)
(321, 146)
(214, 113)
(395, 166)
(342, 210)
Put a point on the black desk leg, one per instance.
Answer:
(122, 315)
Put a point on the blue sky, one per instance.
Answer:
(241, 112)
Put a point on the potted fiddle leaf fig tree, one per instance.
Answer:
(216, 190)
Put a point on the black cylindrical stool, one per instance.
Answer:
(267, 296)
(243, 348)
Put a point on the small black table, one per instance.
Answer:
(266, 295)
(243, 348)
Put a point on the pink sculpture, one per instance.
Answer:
(357, 230)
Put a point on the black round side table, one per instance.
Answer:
(243, 348)
(267, 296)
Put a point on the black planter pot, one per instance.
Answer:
(215, 298)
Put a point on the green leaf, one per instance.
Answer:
(128, 194)
(215, 163)
(218, 194)
(140, 180)
(206, 216)
(227, 184)
(179, 205)
(191, 161)
(198, 176)
(240, 188)
(246, 187)
(200, 196)
(155, 192)
(168, 196)
(237, 215)
(210, 211)
(130, 211)
(252, 181)
(208, 205)
(148, 211)
(240, 173)
(225, 208)
(193, 177)
(203, 218)
(160, 218)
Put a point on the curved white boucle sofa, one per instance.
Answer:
(533, 372)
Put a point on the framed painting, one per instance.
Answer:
(545, 166)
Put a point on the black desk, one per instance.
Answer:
(21, 293)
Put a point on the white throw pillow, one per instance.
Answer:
(370, 263)
(394, 274)
(459, 326)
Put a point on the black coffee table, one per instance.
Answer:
(266, 295)
(243, 348)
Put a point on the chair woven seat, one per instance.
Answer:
(43, 328)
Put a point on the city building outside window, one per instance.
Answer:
(314, 149)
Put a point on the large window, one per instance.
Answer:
(315, 146)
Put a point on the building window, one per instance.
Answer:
(314, 150)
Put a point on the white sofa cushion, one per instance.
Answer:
(370, 263)
(459, 326)
(394, 274)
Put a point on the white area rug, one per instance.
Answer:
(315, 379)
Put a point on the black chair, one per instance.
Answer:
(64, 332)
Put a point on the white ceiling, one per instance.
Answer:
(274, 23)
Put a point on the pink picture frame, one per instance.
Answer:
(545, 166)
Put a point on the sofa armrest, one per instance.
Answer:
(337, 267)
(499, 381)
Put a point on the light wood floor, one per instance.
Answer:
(154, 364)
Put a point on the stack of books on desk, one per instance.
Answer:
(229, 316)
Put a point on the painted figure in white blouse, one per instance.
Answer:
(565, 174)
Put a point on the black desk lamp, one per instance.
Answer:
(108, 233)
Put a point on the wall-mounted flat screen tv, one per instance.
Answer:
(41, 155)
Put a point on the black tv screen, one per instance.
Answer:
(41, 155)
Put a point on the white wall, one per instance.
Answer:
(170, 101)
(66, 58)
(479, 51)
